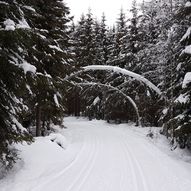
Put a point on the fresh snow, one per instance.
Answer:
(58, 139)
(23, 24)
(28, 67)
(187, 80)
(187, 34)
(164, 111)
(9, 25)
(56, 100)
(188, 4)
(187, 49)
(182, 98)
(96, 100)
(29, 8)
(179, 66)
(56, 48)
(18, 125)
(101, 157)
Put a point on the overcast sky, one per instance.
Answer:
(111, 8)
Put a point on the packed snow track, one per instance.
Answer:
(101, 157)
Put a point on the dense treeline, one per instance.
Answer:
(40, 46)
(154, 42)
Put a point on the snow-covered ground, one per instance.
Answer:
(100, 157)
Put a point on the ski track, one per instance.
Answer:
(140, 181)
(109, 158)
(85, 172)
(64, 170)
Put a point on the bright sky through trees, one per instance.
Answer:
(110, 7)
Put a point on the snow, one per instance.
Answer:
(102, 157)
(28, 67)
(18, 125)
(182, 98)
(9, 25)
(96, 100)
(121, 71)
(23, 24)
(164, 111)
(55, 47)
(187, 34)
(187, 80)
(179, 66)
(187, 49)
(1, 2)
(180, 116)
(56, 100)
(29, 8)
(58, 139)
(188, 4)
(29, 89)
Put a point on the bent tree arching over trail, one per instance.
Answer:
(119, 71)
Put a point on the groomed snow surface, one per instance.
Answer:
(100, 157)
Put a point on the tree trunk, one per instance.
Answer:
(38, 121)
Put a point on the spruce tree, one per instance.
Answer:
(178, 113)
(14, 39)
(34, 56)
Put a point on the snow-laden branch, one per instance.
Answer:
(120, 71)
(116, 89)
(124, 72)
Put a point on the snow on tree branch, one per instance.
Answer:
(120, 71)
(124, 72)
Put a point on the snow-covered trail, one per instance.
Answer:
(105, 157)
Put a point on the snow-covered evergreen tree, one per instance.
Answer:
(34, 58)
(118, 44)
(15, 36)
(178, 114)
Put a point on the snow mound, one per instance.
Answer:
(59, 139)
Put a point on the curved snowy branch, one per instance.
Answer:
(120, 71)
(124, 72)
(116, 89)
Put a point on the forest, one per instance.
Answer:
(44, 74)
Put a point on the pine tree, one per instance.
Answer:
(104, 40)
(14, 38)
(134, 39)
(34, 58)
(84, 41)
(51, 55)
(101, 42)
